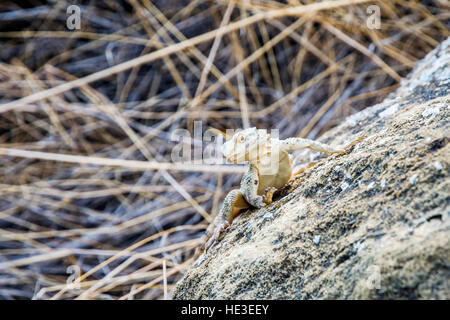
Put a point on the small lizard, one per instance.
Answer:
(269, 169)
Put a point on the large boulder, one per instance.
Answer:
(372, 224)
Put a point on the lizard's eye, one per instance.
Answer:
(241, 138)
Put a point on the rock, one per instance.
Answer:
(372, 224)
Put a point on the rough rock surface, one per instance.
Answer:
(373, 224)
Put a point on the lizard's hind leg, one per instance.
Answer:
(233, 204)
(300, 143)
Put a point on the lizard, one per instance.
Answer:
(269, 169)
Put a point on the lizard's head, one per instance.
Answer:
(247, 145)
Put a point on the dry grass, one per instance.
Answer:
(91, 204)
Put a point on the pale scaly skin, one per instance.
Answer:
(269, 169)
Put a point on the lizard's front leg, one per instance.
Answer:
(233, 204)
(249, 187)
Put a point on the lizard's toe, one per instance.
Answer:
(199, 260)
(209, 243)
(258, 202)
(216, 235)
(268, 195)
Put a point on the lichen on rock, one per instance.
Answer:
(372, 224)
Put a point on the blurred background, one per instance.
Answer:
(115, 79)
